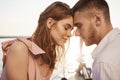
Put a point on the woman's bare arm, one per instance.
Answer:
(17, 62)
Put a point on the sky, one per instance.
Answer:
(19, 17)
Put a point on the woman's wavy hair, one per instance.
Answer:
(42, 37)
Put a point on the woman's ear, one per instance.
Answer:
(50, 22)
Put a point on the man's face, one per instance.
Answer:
(85, 27)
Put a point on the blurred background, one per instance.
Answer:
(20, 17)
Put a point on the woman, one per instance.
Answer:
(34, 58)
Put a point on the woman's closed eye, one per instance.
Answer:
(68, 26)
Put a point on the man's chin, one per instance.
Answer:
(88, 44)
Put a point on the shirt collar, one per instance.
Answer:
(32, 46)
(110, 36)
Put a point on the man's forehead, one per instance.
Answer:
(77, 17)
(78, 13)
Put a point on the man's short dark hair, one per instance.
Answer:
(83, 5)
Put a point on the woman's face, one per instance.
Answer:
(61, 30)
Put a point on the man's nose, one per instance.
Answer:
(77, 33)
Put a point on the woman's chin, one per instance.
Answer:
(61, 43)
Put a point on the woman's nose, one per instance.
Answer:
(69, 33)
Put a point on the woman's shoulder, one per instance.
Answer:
(18, 49)
(13, 45)
(15, 49)
(18, 45)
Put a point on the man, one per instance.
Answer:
(92, 19)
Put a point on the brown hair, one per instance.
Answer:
(42, 37)
(87, 5)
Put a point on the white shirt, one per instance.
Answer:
(106, 65)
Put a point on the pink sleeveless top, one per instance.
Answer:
(33, 68)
